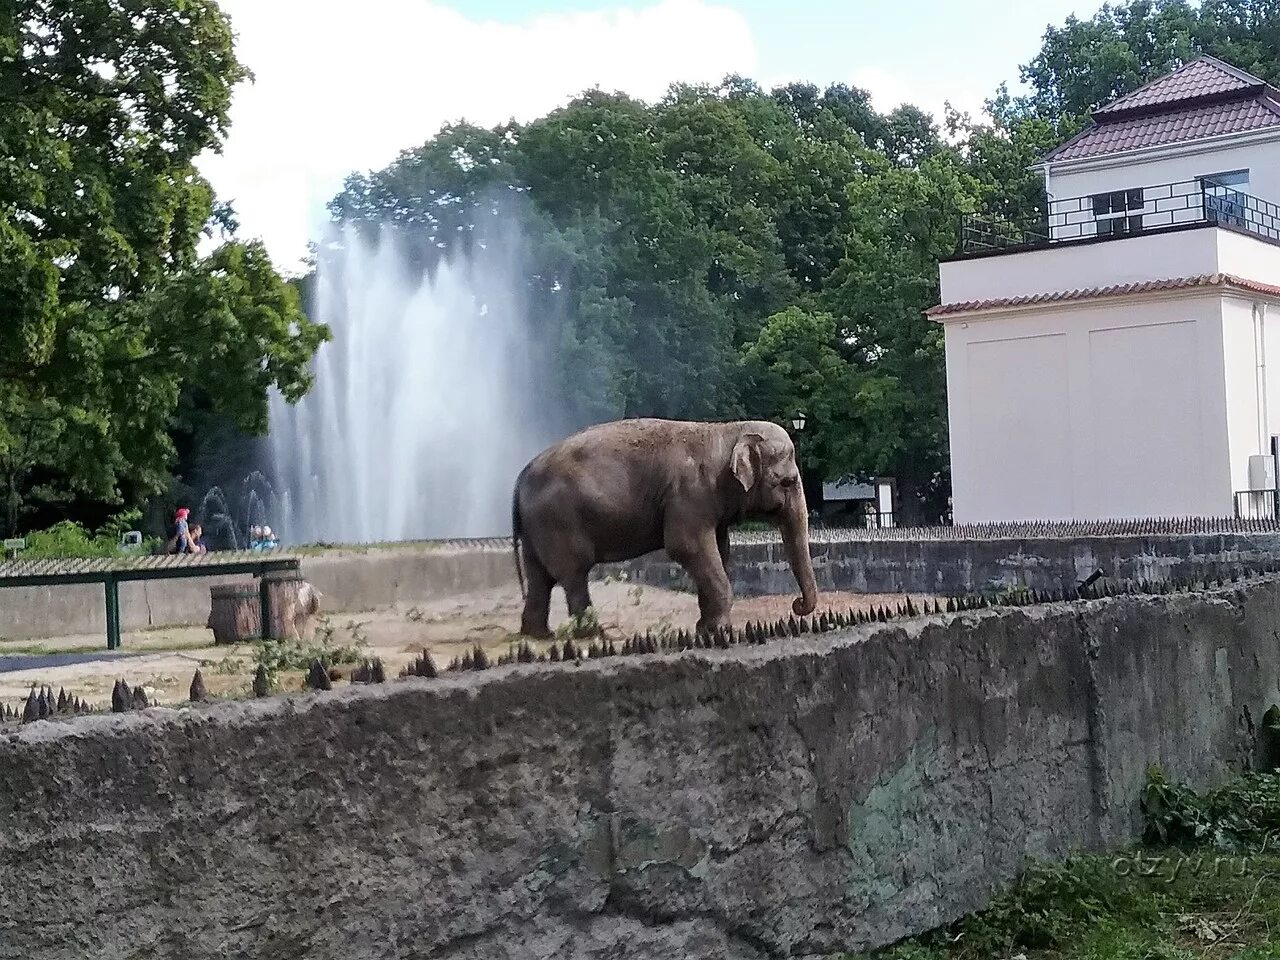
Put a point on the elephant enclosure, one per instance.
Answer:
(163, 660)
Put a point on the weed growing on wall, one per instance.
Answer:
(1205, 884)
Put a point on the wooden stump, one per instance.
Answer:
(234, 614)
(293, 604)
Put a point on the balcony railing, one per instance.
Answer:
(1124, 213)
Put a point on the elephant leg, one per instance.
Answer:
(700, 556)
(537, 598)
(722, 544)
(577, 597)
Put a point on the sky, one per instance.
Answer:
(342, 86)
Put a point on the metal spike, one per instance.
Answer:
(318, 676)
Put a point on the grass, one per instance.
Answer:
(1205, 885)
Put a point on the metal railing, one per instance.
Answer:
(1257, 504)
(1124, 213)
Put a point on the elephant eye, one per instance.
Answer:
(787, 482)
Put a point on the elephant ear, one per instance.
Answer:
(746, 459)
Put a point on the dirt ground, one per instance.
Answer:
(164, 660)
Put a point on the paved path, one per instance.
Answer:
(47, 660)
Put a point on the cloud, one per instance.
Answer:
(344, 87)
(889, 90)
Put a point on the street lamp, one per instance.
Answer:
(798, 422)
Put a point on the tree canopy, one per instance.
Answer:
(726, 251)
(729, 251)
(109, 313)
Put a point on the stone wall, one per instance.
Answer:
(836, 791)
(349, 580)
(979, 565)
(367, 579)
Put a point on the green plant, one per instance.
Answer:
(585, 624)
(69, 539)
(1243, 815)
(277, 656)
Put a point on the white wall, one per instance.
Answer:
(1154, 256)
(1248, 257)
(1172, 164)
(1106, 408)
(1251, 357)
(1157, 256)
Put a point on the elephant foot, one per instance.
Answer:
(535, 630)
(710, 624)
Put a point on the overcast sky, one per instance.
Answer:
(343, 86)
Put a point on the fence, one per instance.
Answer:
(1123, 213)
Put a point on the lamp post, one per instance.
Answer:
(798, 421)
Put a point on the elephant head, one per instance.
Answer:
(763, 463)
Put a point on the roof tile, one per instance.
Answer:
(1194, 80)
(1116, 290)
(1194, 123)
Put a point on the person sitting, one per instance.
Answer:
(255, 537)
(269, 540)
(198, 544)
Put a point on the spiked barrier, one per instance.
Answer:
(42, 703)
(1021, 530)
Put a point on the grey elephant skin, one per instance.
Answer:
(617, 491)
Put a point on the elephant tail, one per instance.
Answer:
(515, 532)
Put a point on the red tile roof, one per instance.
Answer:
(1194, 123)
(1218, 280)
(1202, 98)
(1194, 80)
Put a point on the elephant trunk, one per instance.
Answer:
(794, 523)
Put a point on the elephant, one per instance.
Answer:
(619, 490)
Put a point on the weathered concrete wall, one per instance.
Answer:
(793, 799)
(981, 565)
(349, 581)
(378, 577)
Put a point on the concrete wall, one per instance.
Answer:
(352, 581)
(978, 566)
(1155, 256)
(1102, 408)
(793, 799)
(1251, 342)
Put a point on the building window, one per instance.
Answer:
(1115, 212)
(1233, 178)
(1224, 199)
(1118, 226)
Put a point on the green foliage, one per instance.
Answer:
(1152, 903)
(69, 539)
(1242, 816)
(726, 251)
(109, 313)
(278, 656)
(585, 624)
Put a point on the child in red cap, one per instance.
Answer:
(184, 535)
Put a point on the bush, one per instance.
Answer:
(69, 539)
(1242, 816)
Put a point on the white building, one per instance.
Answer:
(1122, 359)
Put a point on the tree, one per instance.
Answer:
(108, 310)
(907, 221)
(1086, 63)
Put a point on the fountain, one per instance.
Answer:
(426, 403)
